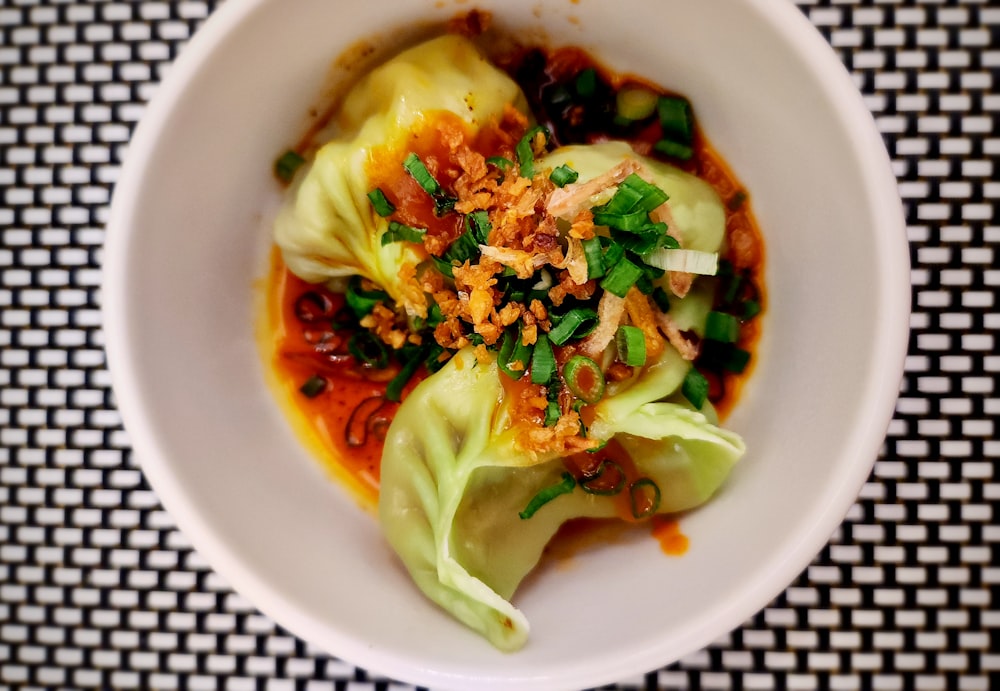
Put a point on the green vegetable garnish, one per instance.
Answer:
(287, 164)
(631, 344)
(383, 207)
(313, 386)
(548, 494)
(584, 378)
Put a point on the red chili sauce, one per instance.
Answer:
(350, 413)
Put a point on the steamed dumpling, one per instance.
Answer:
(453, 483)
(329, 228)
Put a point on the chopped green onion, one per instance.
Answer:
(500, 162)
(644, 498)
(592, 251)
(673, 149)
(636, 102)
(591, 485)
(631, 343)
(576, 323)
(613, 255)
(444, 266)
(464, 249)
(642, 242)
(586, 82)
(651, 195)
(383, 207)
(661, 299)
(751, 308)
(625, 200)
(287, 164)
(687, 261)
(394, 390)
(547, 494)
(563, 175)
(418, 171)
(368, 349)
(552, 413)
(400, 231)
(676, 119)
(695, 388)
(362, 301)
(584, 378)
(720, 326)
(631, 222)
(525, 152)
(622, 276)
(478, 224)
(512, 349)
(543, 361)
(737, 200)
(313, 387)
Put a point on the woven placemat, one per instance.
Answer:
(97, 587)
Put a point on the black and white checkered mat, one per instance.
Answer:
(97, 587)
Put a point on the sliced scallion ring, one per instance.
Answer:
(631, 344)
(604, 486)
(575, 324)
(584, 378)
(368, 349)
(644, 498)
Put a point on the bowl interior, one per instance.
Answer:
(188, 245)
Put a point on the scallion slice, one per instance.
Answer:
(500, 162)
(362, 301)
(563, 175)
(635, 102)
(547, 494)
(723, 327)
(383, 207)
(575, 324)
(287, 164)
(418, 171)
(687, 261)
(584, 378)
(676, 119)
(644, 498)
(631, 222)
(512, 349)
(525, 153)
(552, 413)
(593, 252)
(622, 276)
(602, 482)
(651, 195)
(695, 388)
(673, 149)
(543, 361)
(313, 386)
(751, 308)
(478, 223)
(368, 349)
(586, 82)
(400, 231)
(631, 343)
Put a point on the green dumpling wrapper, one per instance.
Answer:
(329, 228)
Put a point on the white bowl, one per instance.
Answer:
(188, 240)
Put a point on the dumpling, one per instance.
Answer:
(453, 483)
(329, 229)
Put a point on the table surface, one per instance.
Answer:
(99, 589)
